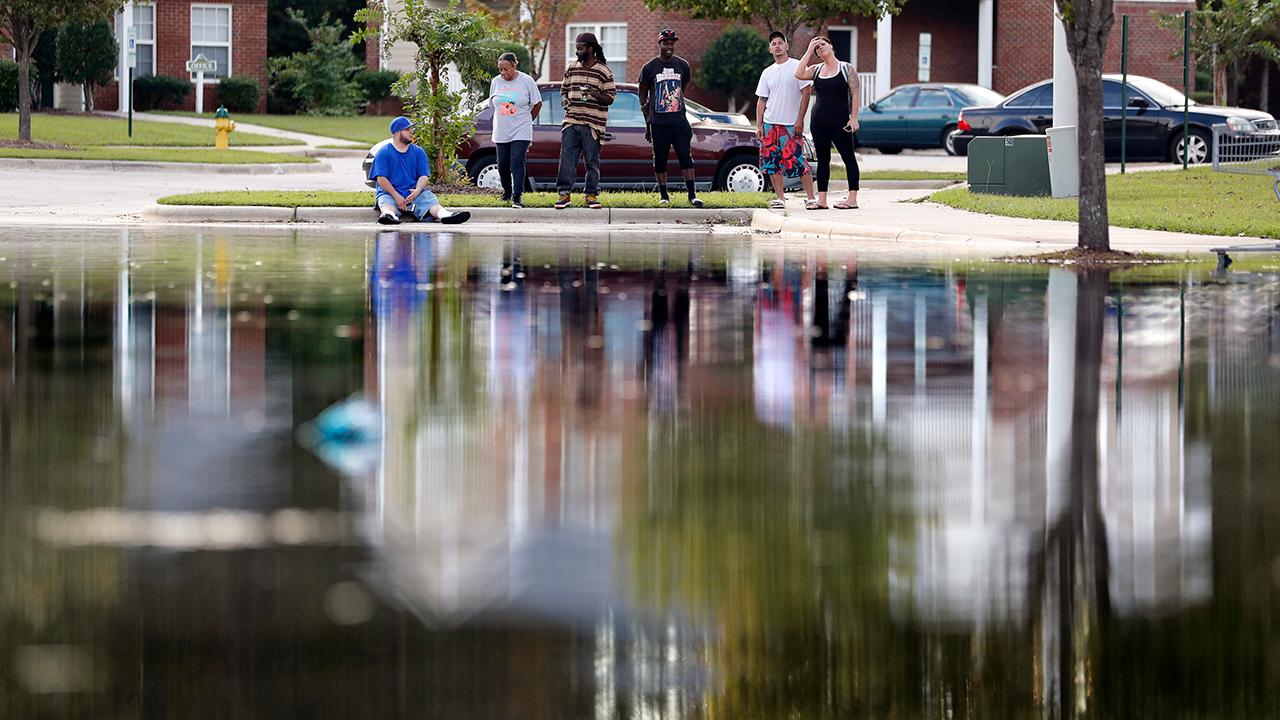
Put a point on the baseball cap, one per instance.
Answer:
(400, 123)
(667, 34)
(777, 34)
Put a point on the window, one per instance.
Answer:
(1041, 96)
(211, 36)
(898, 99)
(144, 25)
(931, 98)
(613, 41)
(551, 112)
(625, 111)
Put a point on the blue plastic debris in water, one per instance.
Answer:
(345, 435)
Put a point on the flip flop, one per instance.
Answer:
(777, 204)
(813, 205)
(843, 205)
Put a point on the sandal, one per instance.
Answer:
(844, 205)
(776, 204)
(813, 205)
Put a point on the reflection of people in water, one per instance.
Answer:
(666, 341)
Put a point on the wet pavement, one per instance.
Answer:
(404, 475)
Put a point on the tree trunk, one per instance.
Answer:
(1088, 22)
(438, 171)
(1095, 232)
(88, 97)
(23, 49)
(1264, 99)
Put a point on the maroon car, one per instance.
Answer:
(726, 155)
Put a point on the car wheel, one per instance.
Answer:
(741, 174)
(484, 173)
(890, 150)
(1198, 146)
(949, 134)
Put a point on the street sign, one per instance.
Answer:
(925, 60)
(202, 64)
(131, 48)
(132, 59)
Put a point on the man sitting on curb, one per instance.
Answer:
(401, 170)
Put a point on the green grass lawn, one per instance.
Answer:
(299, 198)
(1195, 201)
(355, 128)
(86, 131)
(839, 173)
(183, 155)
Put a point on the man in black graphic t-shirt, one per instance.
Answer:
(663, 83)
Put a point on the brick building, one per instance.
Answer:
(1001, 44)
(171, 32)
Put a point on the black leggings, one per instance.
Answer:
(823, 139)
(511, 167)
(679, 135)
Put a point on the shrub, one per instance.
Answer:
(87, 56)
(282, 96)
(732, 64)
(375, 85)
(160, 92)
(8, 86)
(239, 94)
(321, 76)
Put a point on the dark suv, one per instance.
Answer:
(725, 154)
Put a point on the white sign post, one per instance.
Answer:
(926, 56)
(201, 65)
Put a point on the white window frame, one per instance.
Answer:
(573, 29)
(154, 27)
(853, 41)
(191, 43)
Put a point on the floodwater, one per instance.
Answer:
(409, 475)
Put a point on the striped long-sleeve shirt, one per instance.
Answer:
(589, 112)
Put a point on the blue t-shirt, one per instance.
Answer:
(401, 169)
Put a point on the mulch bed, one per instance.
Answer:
(1091, 258)
(32, 145)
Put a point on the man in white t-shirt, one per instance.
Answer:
(780, 110)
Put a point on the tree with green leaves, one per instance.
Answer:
(783, 15)
(1088, 23)
(732, 64)
(457, 52)
(1225, 35)
(22, 21)
(320, 76)
(87, 53)
(531, 24)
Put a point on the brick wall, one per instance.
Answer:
(1024, 42)
(173, 48)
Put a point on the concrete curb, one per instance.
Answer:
(164, 167)
(901, 184)
(358, 216)
(768, 221)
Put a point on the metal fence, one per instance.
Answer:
(868, 80)
(1255, 152)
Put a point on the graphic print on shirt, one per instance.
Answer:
(667, 95)
(507, 102)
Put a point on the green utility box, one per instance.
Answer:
(1013, 165)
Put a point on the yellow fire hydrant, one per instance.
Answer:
(222, 121)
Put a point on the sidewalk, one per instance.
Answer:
(310, 141)
(893, 215)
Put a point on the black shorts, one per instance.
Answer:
(679, 135)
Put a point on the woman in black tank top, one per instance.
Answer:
(835, 116)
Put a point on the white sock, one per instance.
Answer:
(444, 213)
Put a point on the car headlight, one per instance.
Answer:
(1239, 124)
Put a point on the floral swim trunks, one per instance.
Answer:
(782, 153)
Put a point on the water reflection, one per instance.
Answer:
(629, 479)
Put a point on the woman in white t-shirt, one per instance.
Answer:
(516, 102)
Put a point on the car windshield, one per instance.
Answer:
(698, 107)
(978, 95)
(1160, 93)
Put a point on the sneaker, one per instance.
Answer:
(696, 202)
(516, 205)
(563, 202)
(506, 198)
(456, 218)
(664, 201)
(388, 219)
(593, 202)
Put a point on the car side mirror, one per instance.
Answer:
(1140, 103)
(873, 107)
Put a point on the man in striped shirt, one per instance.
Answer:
(586, 94)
